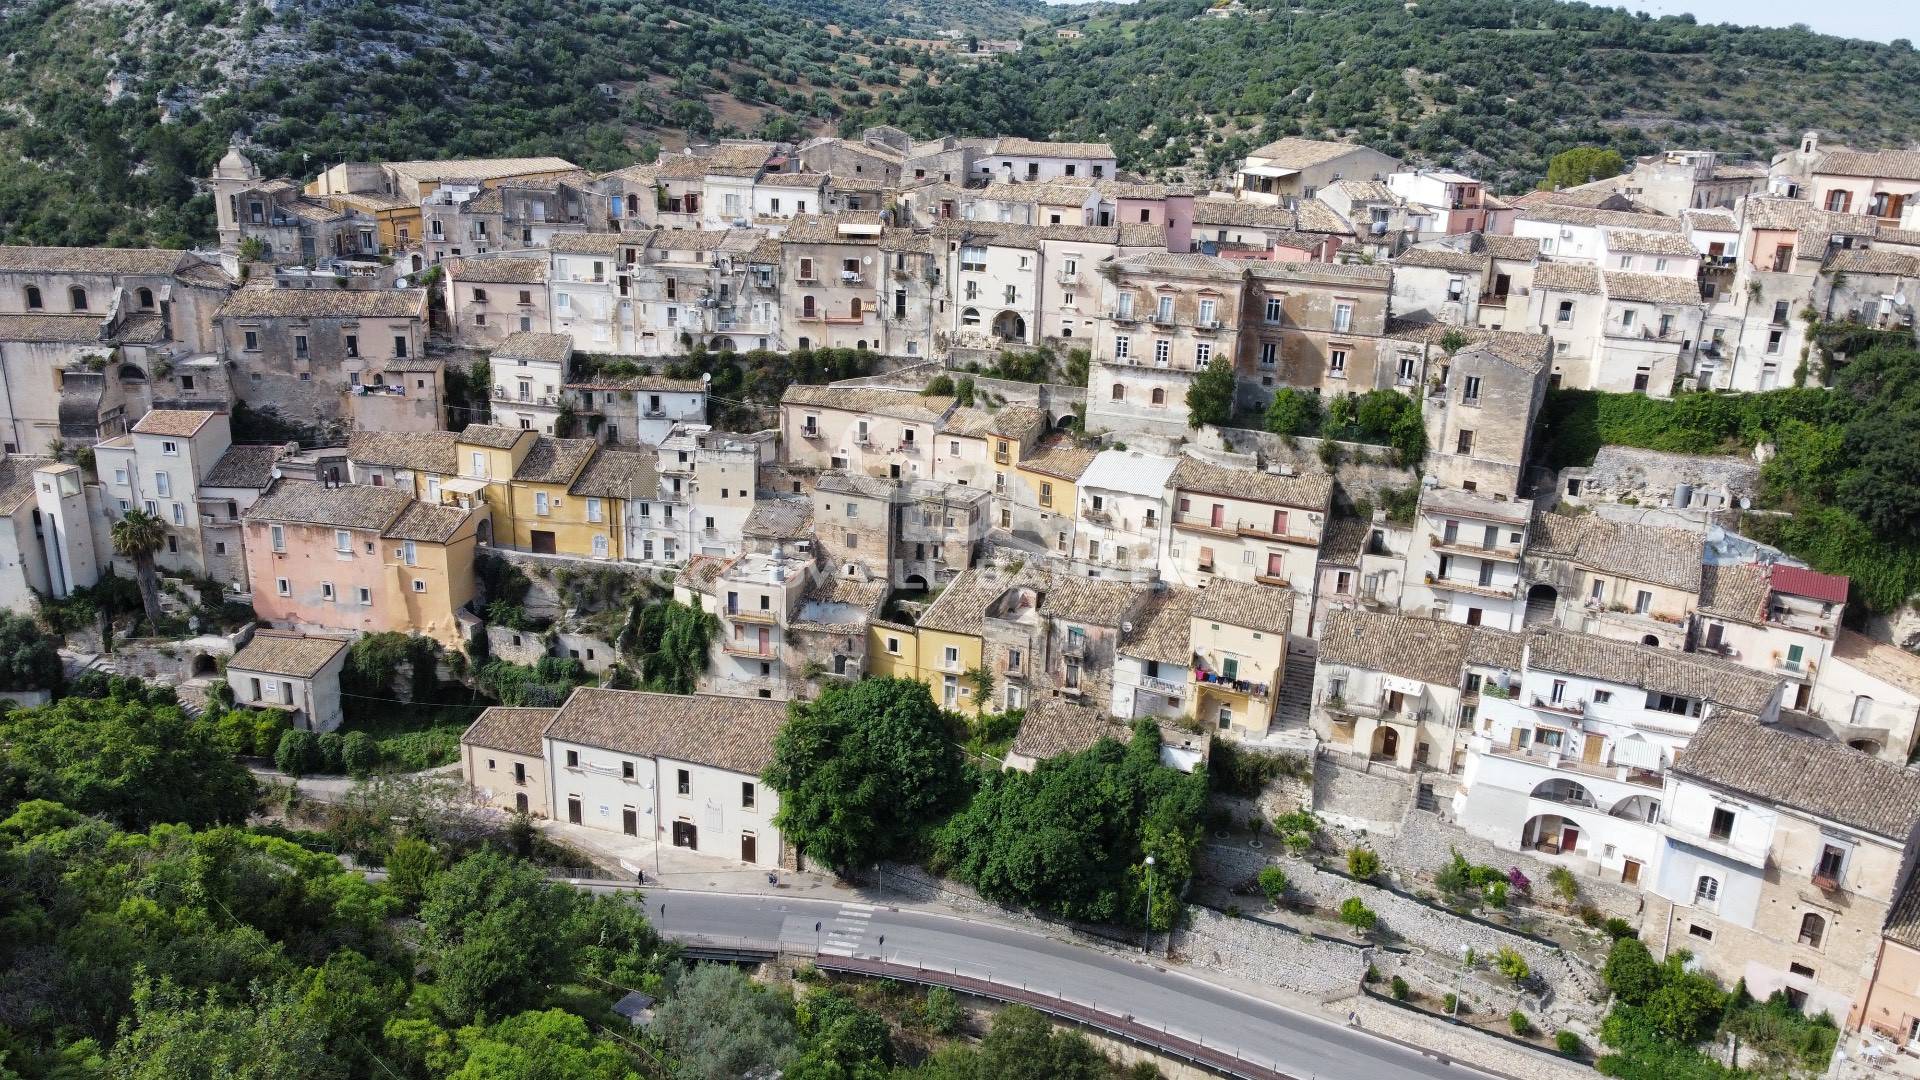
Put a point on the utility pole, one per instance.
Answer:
(1147, 941)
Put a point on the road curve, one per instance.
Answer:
(1190, 1010)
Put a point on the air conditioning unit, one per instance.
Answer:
(1566, 234)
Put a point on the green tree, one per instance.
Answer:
(718, 1023)
(549, 1045)
(359, 754)
(1273, 883)
(1293, 412)
(492, 927)
(29, 659)
(1021, 1045)
(136, 536)
(863, 771)
(840, 1040)
(1511, 964)
(1687, 1006)
(1210, 394)
(179, 1033)
(1355, 913)
(1363, 863)
(410, 867)
(298, 752)
(124, 760)
(1631, 974)
(1582, 165)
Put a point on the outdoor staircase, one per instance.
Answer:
(1296, 694)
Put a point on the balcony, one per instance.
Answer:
(1202, 523)
(811, 433)
(530, 400)
(1262, 530)
(1098, 517)
(1457, 546)
(810, 316)
(1270, 579)
(751, 615)
(1162, 687)
(753, 649)
(848, 319)
(851, 277)
(1067, 277)
(1075, 648)
(1162, 320)
(1719, 844)
(1208, 327)
(1554, 759)
(1494, 592)
(1564, 707)
(1204, 680)
(1124, 318)
(1825, 882)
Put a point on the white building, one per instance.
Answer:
(667, 768)
(1123, 515)
(1030, 159)
(292, 672)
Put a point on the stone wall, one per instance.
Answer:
(1464, 1043)
(1426, 842)
(1351, 797)
(543, 600)
(1255, 950)
(1363, 468)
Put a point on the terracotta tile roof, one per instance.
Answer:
(1504, 649)
(729, 733)
(1650, 288)
(1526, 351)
(1884, 661)
(1266, 608)
(1439, 255)
(825, 229)
(1903, 921)
(701, 572)
(1314, 216)
(427, 524)
(1054, 726)
(428, 451)
(961, 607)
(1369, 191)
(1307, 489)
(900, 404)
(1243, 214)
(554, 461)
(1162, 632)
(1060, 459)
(180, 423)
(792, 180)
(1379, 277)
(737, 157)
(1711, 220)
(1567, 277)
(1564, 214)
(503, 270)
(244, 465)
(1094, 601)
(478, 169)
(1343, 541)
(492, 436)
(1805, 774)
(266, 302)
(308, 502)
(1424, 650)
(785, 517)
(531, 345)
(1642, 242)
(619, 474)
(55, 329)
(1735, 591)
(1297, 153)
(1513, 247)
(1649, 553)
(1691, 675)
(1474, 504)
(294, 655)
(1874, 261)
(1020, 423)
(514, 730)
(1883, 164)
(1016, 147)
(1800, 581)
(587, 243)
(838, 605)
(88, 260)
(641, 383)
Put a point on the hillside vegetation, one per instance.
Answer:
(1495, 87)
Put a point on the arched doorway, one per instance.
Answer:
(204, 665)
(484, 533)
(1065, 423)
(1564, 791)
(416, 263)
(1386, 742)
(1650, 639)
(724, 344)
(1866, 746)
(1009, 326)
(915, 581)
(1541, 601)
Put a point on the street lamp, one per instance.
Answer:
(1147, 946)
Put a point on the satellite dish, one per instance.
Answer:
(401, 282)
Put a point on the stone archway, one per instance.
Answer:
(1541, 601)
(1010, 326)
(204, 665)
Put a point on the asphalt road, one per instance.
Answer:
(1296, 1043)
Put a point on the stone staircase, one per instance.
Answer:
(1296, 694)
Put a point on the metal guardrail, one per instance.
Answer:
(1119, 1025)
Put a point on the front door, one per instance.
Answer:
(1590, 750)
(573, 809)
(747, 848)
(1629, 872)
(686, 835)
(520, 802)
(1569, 839)
(630, 822)
(1389, 743)
(543, 543)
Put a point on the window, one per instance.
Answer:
(1565, 313)
(1159, 399)
(1833, 863)
(353, 345)
(683, 782)
(409, 553)
(748, 795)
(1813, 929)
(78, 297)
(573, 759)
(1722, 826)
(326, 591)
(1269, 353)
(1780, 309)
(279, 537)
(366, 596)
(1122, 347)
(1164, 311)
(1337, 363)
(1162, 350)
(1046, 494)
(593, 510)
(33, 298)
(540, 503)
(1464, 445)
(1559, 693)
(1699, 931)
(252, 338)
(1706, 890)
(1470, 393)
(893, 646)
(282, 586)
(1342, 318)
(419, 586)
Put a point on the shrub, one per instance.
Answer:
(1452, 1002)
(1518, 881)
(1299, 821)
(1630, 972)
(942, 1011)
(1456, 877)
(328, 747)
(410, 865)
(1355, 913)
(1617, 928)
(1567, 1043)
(1495, 894)
(1372, 976)
(1399, 986)
(1363, 863)
(297, 754)
(1510, 963)
(1273, 883)
(358, 753)
(1298, 844)
(1518, 1021)
(1565, 885)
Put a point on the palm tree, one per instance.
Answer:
(137, 535)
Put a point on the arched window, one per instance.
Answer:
(146, 298)
(77, 296)
(1159, 396)
(1706, 890)
(1862, 709)
(1813, 929)
(969, 317)
(33, 298)
(1119, 392)
(806, 307)
(853, 307)
(806, 343)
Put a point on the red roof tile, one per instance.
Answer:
(1800, 581)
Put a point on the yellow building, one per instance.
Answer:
(944, 645)
(391, 191)
(1044, 499)
(1238, 634)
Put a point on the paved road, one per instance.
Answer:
(1260, 1031)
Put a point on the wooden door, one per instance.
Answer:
(520, 801)
(1389, 743)
(1630, 872)
(573, 809)
(1590, 748)
(1569, 838)
(748, 848)
(630, 822)
(543, 542)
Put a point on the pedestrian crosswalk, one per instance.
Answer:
(843, 934)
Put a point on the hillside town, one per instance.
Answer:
(996, 417)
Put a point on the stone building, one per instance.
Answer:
(300, 353)
(489, 300)
(1163, 318)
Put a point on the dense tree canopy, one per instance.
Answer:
(864, 770)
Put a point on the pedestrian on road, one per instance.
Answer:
(1353, 1018)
